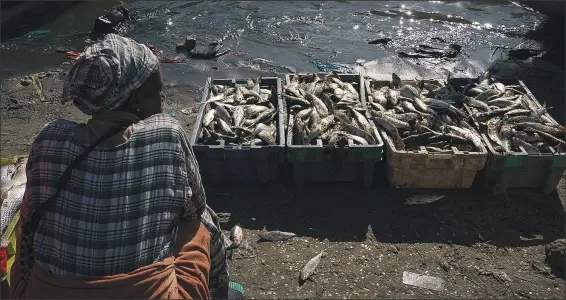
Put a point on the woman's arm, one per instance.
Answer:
(195, 205)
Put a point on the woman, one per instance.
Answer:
(107, 202)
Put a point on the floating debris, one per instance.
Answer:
(383, 41)
(326, 112)
(310, 267)
(241, 115)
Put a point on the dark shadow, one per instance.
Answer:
(342, 212)
(21, 17)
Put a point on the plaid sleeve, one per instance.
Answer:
(195, 204)
(219, 273)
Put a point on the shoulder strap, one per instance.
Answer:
(38, 213)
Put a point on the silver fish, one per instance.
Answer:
(275, 235)
(236, 235)
(310, 267)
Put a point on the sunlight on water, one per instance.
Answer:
(289, 35)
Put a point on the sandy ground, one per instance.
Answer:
(481, 245)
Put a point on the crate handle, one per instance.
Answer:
(439, 162)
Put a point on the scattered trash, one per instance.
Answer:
(310, 267)
(109, 22)
(275, 236)
(172, 114)
(240, 53)
(155, 49)
(38, 87)
(261, 60)
(61, 50)
(325, 66)
(26, 81)
(39, 33)
(499, 275)
(425, 51)
(189, 48)
(422, 199)
(541, 268)
(170, 61)
(186, 111)
(383, 41)
(72, 56)
(236, 236)
(423, 281)
(187, 45)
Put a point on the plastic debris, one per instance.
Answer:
(383, 41)
(39, 33)
(38, 86)
(172, 114)
(325, 66)
(170, 61)
(423, 281)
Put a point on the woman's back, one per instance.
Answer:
(120, 209)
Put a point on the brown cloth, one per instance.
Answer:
(184, 276)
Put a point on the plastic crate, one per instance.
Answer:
(422, 169)
(517, 169)
(316, 163)
(247, 163)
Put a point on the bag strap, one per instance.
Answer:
(38, 213)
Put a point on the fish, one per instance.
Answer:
(236, 235)
(6, 172)
(423, 199)
(12, 194)
(513, 121)
(232, 112)
(327, 109)
(275, 235)
(310, 267)
(416, 114)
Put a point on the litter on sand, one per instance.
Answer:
(424, 281)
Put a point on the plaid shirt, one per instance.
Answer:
(120, 209)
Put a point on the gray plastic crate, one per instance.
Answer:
(316, 163)
(517, 169)
(422, 169)
(247, 163)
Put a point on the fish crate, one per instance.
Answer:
(317, 163)
(517, 169)
(423, 169)
(253, 163)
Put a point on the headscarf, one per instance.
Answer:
(106, 73)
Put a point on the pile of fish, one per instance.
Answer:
(241, 115)
(511, 118)
(13, 180)
(421, 116)
(328, 110)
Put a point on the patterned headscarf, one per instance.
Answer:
(106, 73)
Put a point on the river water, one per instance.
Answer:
(275, 37)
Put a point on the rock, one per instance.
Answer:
(25, 82)
(555, 252)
